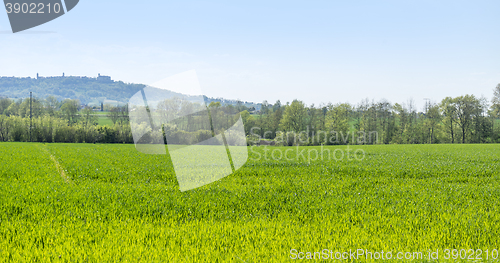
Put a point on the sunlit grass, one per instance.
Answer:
(125, 205)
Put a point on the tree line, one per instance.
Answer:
(462, 119)
(51, 120)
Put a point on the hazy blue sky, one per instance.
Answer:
(316, 51)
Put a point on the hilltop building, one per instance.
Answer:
(102, 78)
(39, 77)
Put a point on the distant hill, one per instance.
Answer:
(89, 90)
(85, 89)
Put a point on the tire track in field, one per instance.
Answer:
(59, 167)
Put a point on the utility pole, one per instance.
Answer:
(31, 115)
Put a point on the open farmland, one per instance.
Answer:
(78, 202)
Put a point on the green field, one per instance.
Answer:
(104, 120)
(103, 203)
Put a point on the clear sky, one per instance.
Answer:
(315, 51)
